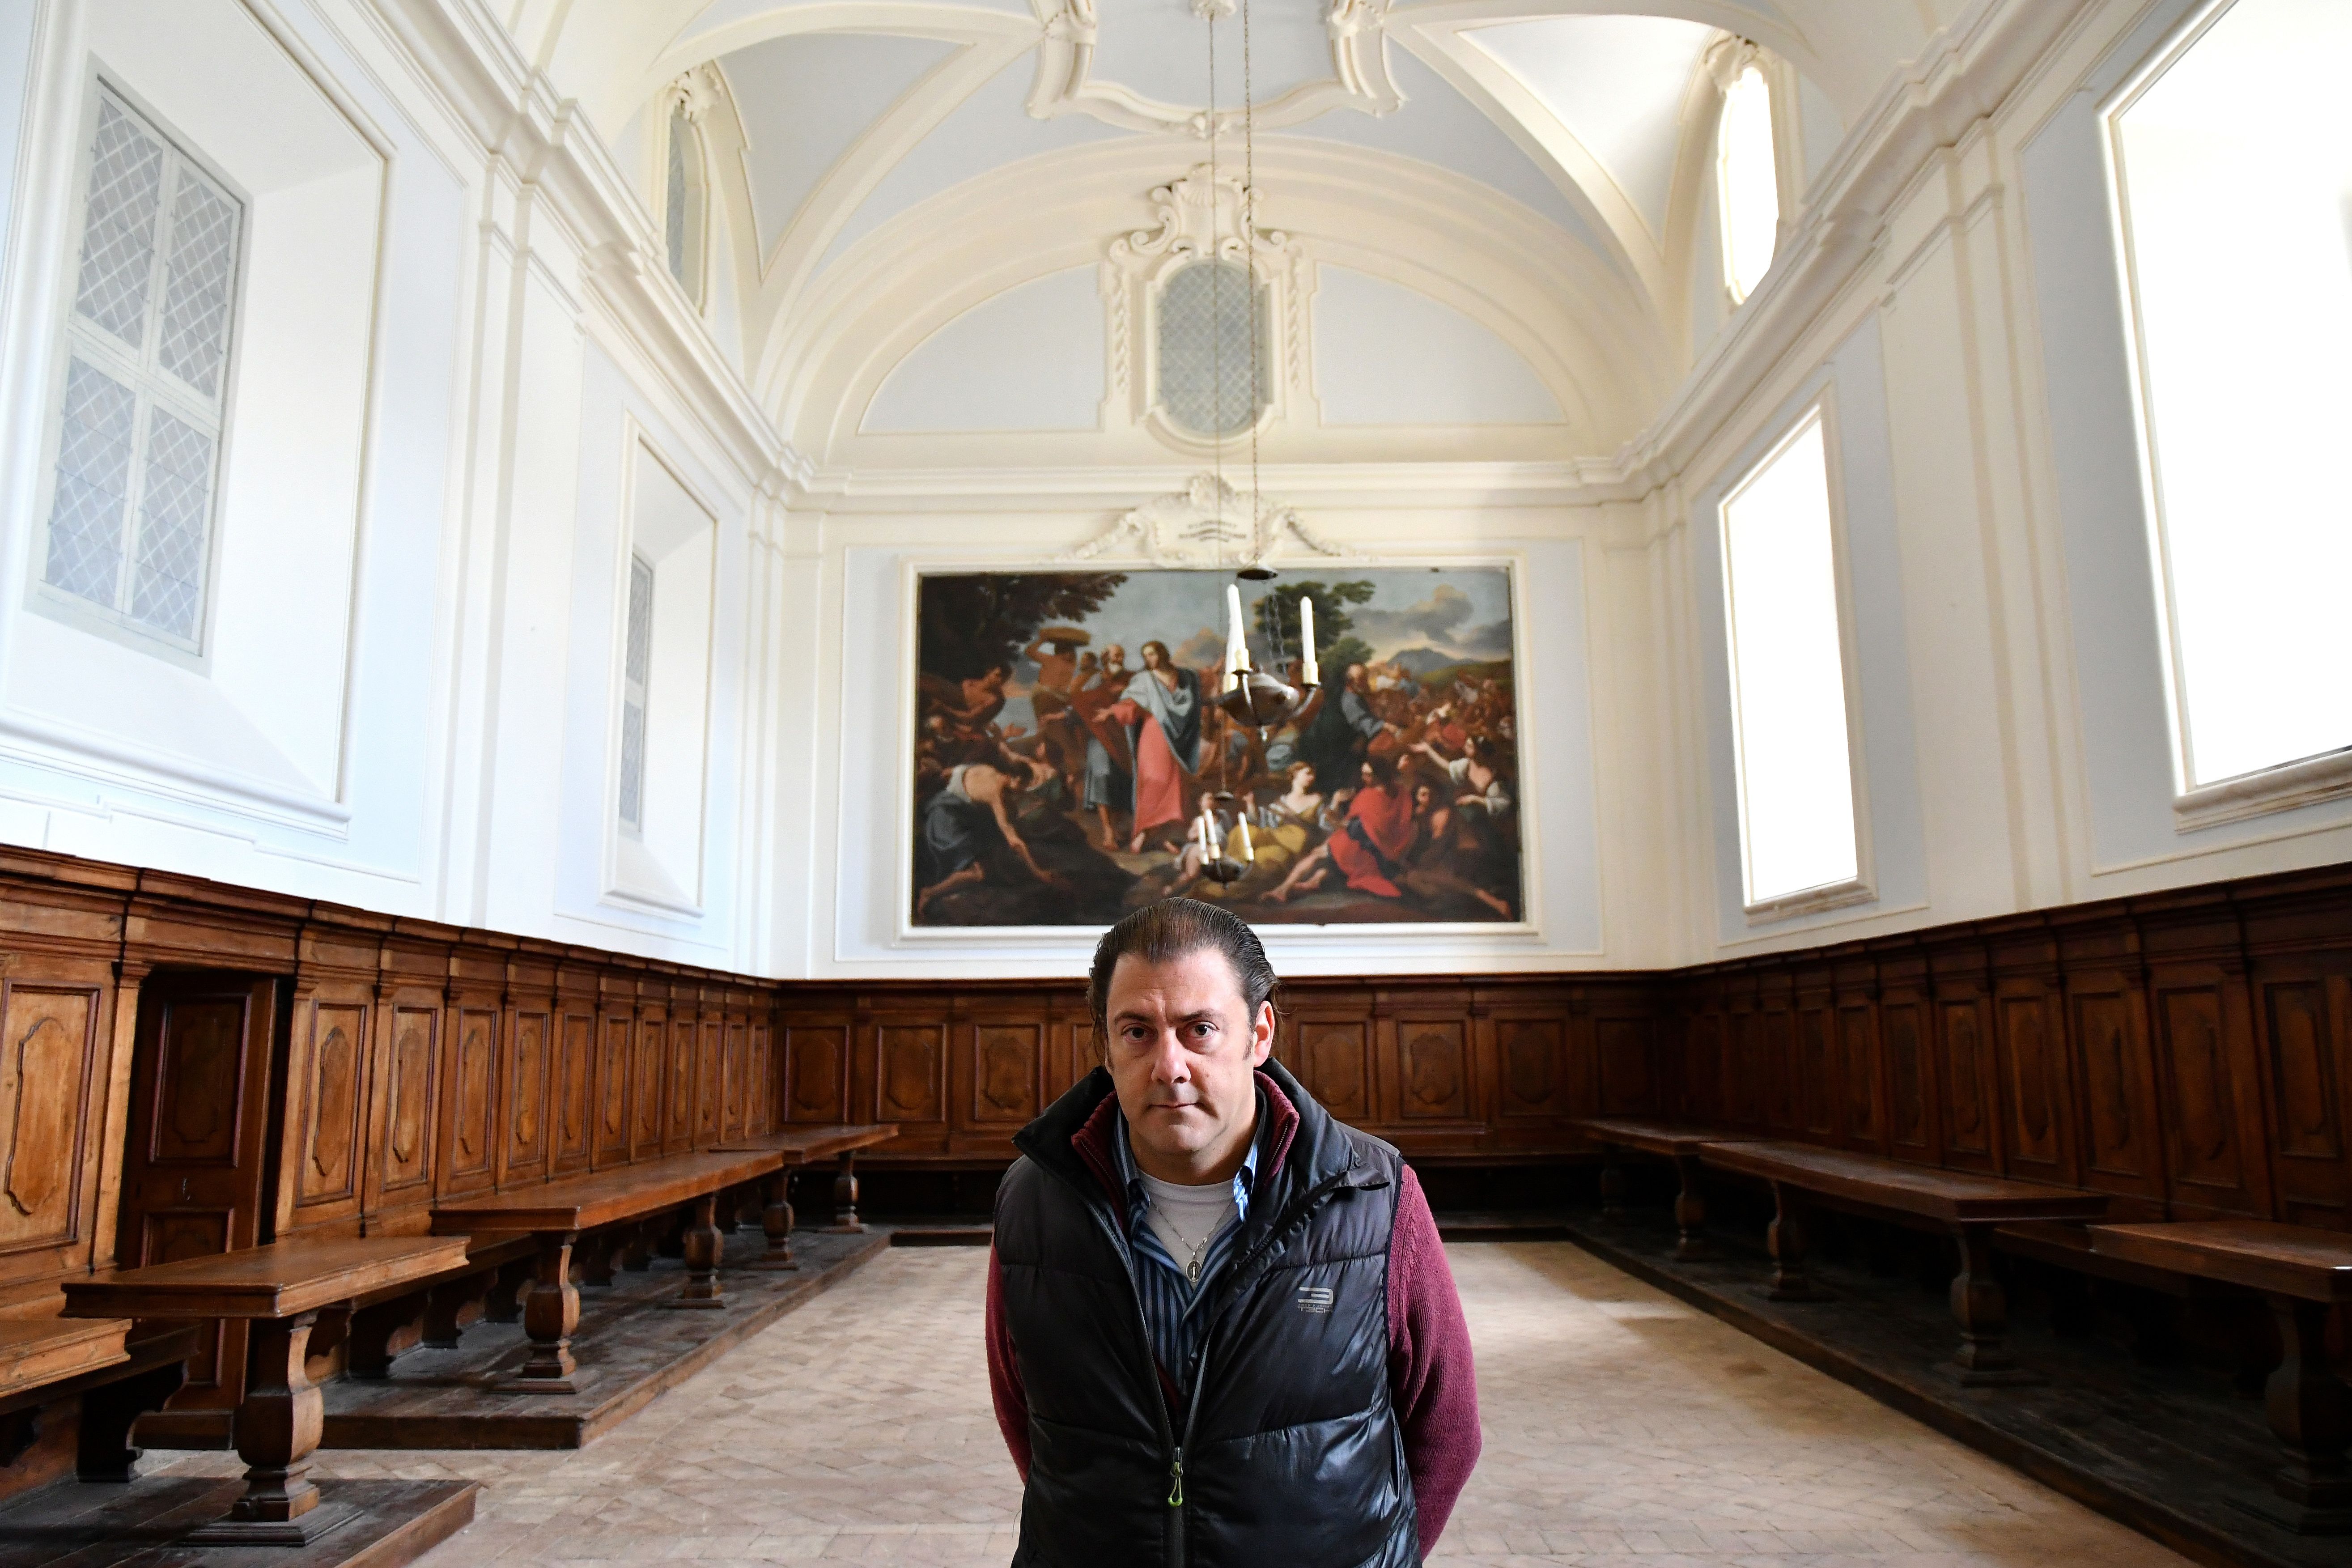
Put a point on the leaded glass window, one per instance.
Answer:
(682, 204)
(1206, 311)
(636, 672)
(143, 395)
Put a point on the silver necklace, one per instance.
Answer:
(1200, 1251)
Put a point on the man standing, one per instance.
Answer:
(1221, 1329)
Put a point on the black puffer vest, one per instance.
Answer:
(1289, 1451)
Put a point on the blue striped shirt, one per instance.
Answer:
(1168, 1299)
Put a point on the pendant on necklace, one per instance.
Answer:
(1192, 1271)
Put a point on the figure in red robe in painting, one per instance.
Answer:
(1161, 710)
(1369, 846)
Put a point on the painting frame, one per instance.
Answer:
(1527, 930)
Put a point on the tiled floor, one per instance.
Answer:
(1621, 1428)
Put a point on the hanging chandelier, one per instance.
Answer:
(1258, 697)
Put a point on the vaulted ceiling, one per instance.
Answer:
(1562, 140)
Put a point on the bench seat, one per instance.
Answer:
(797, 1146)
(2304, 1273)
(557, 1214)
(1675, 1140)
(282, 1288)
(1967, 1205)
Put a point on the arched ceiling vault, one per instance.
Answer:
(1554, 145)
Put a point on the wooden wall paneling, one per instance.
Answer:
(2116, 1118)
(1966, 1077)
(572, 1089)
(662, 1078)
(616, 1067)
(1705, 1098)
(1906, 1045)
(525, 1074)
(1821, 1078)
(1744, 1057)
(1859, 1060)
(2208, 1076)
(1524, 1049)
(404, 1093)
(1429, 1038)
(1777, 1026)
(2299, 952)
(1621, 1044)
(709, 1069)
(1328, 1049)
(471, 1059)
(1075, 1051)
(56, 1013)
(2033, 1049)
(767, 1076)
(735, 1073)
(1001, 1079)
(911, 1073)
(323, 1137)
(815, 1048)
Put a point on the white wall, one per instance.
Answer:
(432, 732)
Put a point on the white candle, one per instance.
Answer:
(1204, 826)
(1236, 644)
(1248, 853)
(1306, 638)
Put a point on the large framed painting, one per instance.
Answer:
(1068, 731)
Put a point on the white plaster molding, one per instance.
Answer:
(1207, 524)
(1066, 83)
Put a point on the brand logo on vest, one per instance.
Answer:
(1315, 1297)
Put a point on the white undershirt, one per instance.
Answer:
(1186, 1219)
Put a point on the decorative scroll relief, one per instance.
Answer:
(1066, 83)
(1207, 524)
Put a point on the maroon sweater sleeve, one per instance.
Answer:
(1004, 1376)
(1430, 1376)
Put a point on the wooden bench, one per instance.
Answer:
(120, 1368)
(282, 1288)
(798, 1146)
(2303, 1274)
(1967, 1205)
(557, 1214)
(1671, 1140)
(488, 1285)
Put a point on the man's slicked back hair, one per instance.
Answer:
(1156, 933)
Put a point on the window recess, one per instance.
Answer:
(139, 401)
(1793, 698)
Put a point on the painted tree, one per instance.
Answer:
(971, 623)
(1333, 645)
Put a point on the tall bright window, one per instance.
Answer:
(142, 393)
(1747, 183)
(2233, 177)
(1793, 746)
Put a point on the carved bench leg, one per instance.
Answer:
(1981, 1307)
(844, 1198)
(1613, 1184)
(107, 1414)
(776, 1219)
(452, 1307)
(549, 1313)
(637, 1248)
(277, 1428)
(2311, 1413)
(1690, 1212)
(375, 1335)
(702, 1243)
(1785, 1239)
(505, 1303)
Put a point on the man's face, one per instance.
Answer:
(1423, 799)
(1365, 777)
(1182, 1051)
(1114, 658)
(1152, 658)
